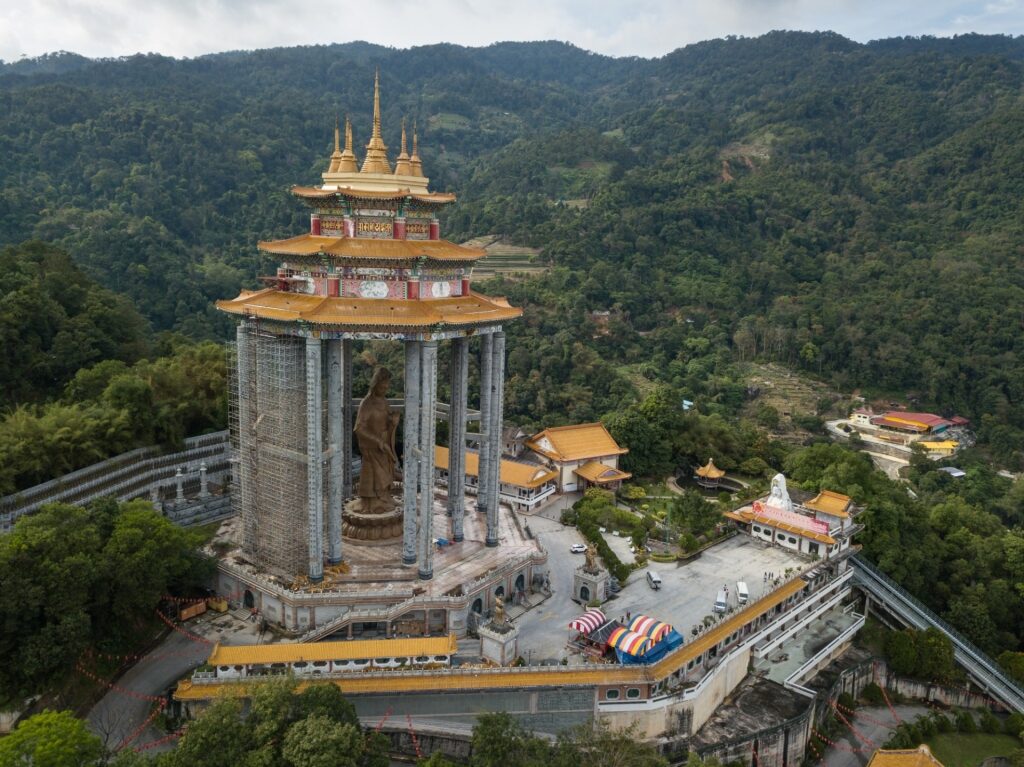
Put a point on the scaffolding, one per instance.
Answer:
(268, 437)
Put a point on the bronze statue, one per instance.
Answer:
(499, 611)
(591, 564)
(375, 431)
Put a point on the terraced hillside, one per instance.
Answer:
(505, 258)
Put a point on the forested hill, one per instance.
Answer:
(852, 209)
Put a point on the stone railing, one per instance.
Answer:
(134, 474)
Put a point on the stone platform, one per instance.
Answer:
(373, 586)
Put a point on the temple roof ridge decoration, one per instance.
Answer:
(375, 175)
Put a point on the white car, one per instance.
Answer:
(577, 548)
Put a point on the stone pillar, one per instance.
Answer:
(428, 425)
(486, 363)
(314, 460)
(457, 436)
(410, 450)
(244, 438)
(204, 490)
(179, 486)
(494, 443)
(347, 418)
(335, 472)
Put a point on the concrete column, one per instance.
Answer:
(428, 427)
(204, 490)
(457, 436)
(314, 460)
(347, 419)
(486, 363)
(179, 486)
(335, 472)
(410, 451)
(497, 403)
(244, 438)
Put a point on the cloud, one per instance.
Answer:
(640, 27)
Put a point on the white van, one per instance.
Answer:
(721, 603)
(742, 593)
(653, 580)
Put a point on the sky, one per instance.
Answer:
(649, 28)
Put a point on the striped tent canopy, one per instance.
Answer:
(650, 628)
(629, 642)
(589, 621)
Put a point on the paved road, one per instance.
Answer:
(873, 723)
(118, 715)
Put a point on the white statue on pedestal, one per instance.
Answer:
(779, 496)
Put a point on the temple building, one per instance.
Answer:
(584, 455)
(709, 475)
(821, 525)
(372, 266)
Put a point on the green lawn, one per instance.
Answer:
(959, 750)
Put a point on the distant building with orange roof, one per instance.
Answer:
(709, 475)
(904, 757)
(569, 450)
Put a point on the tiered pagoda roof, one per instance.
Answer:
(373, 258)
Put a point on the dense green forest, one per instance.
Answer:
(852, 211)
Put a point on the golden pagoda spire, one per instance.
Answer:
(336, 156)
(376, 152)
(402, 165)
(347, 159)
(415, 164)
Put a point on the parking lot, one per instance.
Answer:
(685, 598)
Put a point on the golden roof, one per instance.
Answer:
(317, 193)
(747, 515)
(514, 473)
(271, 304)
(946, 444)
(376, 160)
(402, 165)
(710, 471)
(469, 678)
(231, 655)
(336, 156)
(571, 443)
(415, 163)
(828, 502)
(601, 473)
(365, 247)
(910, 757)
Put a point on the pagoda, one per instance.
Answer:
(373, 266)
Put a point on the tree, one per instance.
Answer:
(319, 741)
(217, 738)
(51, 739)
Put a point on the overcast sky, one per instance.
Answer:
(621, 28)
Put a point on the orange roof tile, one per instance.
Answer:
(571, 443)
(517, 473)
(271, 304)
(910, 757)
(828, 502)
(746, 515)
(315, 192)
(230, 655)
(601, 473)
(369, 248)
(710, 471)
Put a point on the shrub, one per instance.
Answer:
(1014, 725)
(990, 723)
(872, 694)
(942, 723)
(846, 701)
(965, 722)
